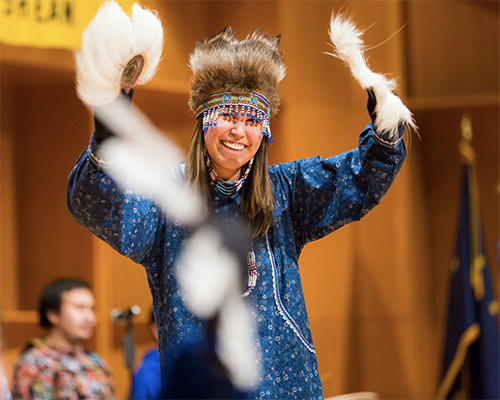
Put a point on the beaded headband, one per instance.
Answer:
(250, 104)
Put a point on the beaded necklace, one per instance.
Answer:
(231, 188)
(227, 188)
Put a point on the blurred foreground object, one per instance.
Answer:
(356, 396)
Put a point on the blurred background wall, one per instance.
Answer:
(376, 290)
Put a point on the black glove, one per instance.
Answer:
(101, 133)
(371, 104)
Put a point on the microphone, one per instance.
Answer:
(119, 314)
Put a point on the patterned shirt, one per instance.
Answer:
(313, 197)
(44, 372)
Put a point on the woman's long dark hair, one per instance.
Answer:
(257, 198)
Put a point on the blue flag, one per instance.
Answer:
(471, 356)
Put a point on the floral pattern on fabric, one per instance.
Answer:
(44, 372)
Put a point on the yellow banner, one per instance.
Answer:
(48, 23)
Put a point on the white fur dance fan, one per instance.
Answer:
(118, 52)
(349, 47)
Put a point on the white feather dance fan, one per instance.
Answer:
(349, 47)
(118, 52)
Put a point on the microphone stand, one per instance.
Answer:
(118, 315)
(129, 347)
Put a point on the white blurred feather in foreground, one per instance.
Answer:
(349, 47)
(144, 162)
(109, 42)
(208, 273)
(208, 276)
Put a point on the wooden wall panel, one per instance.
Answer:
(8, 232)
(51, 245)
(453, 47)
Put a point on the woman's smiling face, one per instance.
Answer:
(232, 143)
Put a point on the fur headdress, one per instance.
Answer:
(230, 72)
